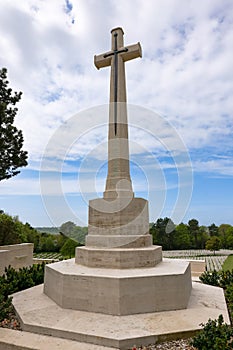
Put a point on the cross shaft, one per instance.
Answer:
(115, 53)
(118, 179)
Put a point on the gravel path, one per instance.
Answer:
(171, 345)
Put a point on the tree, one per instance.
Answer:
(203, 236)
(182, 237)
(229, 237)
(13, 231)
(163, 233)
(8, 231)
(223, 234)
(12, 156)
(68, 249)
(213, 244)
(213, 230)
(194, 229)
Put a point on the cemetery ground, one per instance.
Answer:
(219, 272)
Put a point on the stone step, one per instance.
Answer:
(19, 340)
(39, 314)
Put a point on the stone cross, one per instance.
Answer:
(118, 179)
(116, 59)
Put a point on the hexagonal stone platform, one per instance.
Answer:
(167, 286)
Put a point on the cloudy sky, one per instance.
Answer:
(180, 112)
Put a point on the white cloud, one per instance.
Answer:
(185, 72)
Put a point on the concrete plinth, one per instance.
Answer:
(40, 314)
(167, 286)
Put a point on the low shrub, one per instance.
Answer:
(216, 335)
(210, 277)
(5, 307)
(14, 281)
(217, 278)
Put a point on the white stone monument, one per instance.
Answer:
(118, 291)
(118, 240)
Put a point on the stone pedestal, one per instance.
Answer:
(120, 222)
(119, 271)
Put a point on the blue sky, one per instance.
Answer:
(180, 113)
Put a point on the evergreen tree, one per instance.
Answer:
(194, 230)
(11, 139)
(163, 233)
(182, 237)
(213, 230)
(213, 243)
(68, 249)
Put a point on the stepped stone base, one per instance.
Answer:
(39, 314)
(119, 258)
(167, 286)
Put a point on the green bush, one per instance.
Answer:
(210, 277)
(217, 278)
(226, 278)
(229, 298)
(215, 335)
(5, 307)
(14, 281)
(215, 331)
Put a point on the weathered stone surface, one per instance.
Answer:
(16, 255)
(117, 258)
(20, 340)
(120, 241)
(121, 332)
(167, 286)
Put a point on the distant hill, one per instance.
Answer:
(51, 230)
(69, 229)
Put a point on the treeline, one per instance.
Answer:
(13, 231)
(164, 233)
(52, 230)
(191, 235)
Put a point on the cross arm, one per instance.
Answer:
(133, 51)
(101, 61)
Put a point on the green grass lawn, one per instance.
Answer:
(228, 263)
